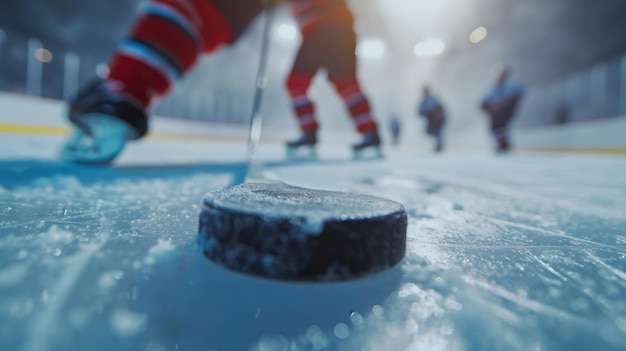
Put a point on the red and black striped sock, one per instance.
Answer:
(356, 103)
(297, 85)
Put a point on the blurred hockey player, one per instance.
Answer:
(432, 110)
(500, 104)
(163, 45)
(395, 128)
(329, 42)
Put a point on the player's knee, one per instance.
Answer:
(298, 84)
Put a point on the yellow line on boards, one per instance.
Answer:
(190, 137)
(42, 130)
(573, 150)
(25, 129)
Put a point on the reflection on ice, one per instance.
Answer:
(127, 323)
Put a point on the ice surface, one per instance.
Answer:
(520, 252)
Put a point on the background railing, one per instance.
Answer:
(27, 66)
(595, 92)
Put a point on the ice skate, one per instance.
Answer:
(103, 122)
(303, 147)
(503, 145)
(98, 141)
(438, 146)
(369, 147)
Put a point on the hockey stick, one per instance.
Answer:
(255, 171)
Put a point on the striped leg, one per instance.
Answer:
(359, 109)
(356, 103)
(164, 44)
(304, 110)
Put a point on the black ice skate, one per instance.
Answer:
(303, 147)
(370, 142)
(438, 147)
(103, 122)
(503, 145)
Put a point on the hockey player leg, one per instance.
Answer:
(434, 129)
(438, 144)
(357, 105)
(502, 140)
(438, 135)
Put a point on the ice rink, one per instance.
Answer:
(523, 251)
(513, 252)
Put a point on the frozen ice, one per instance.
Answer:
(517, 252)
(127, 323)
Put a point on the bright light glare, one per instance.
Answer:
(102, 70)
(287, 31)
(43, 55)
(430, 47)
(371, 48)
(477, 35)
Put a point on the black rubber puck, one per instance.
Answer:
(279, 231)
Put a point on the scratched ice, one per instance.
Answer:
(505, 253)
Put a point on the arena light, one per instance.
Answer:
(371, 49)
(287, 31)
(43, 55)
(477, 35)
(102, 70)
(429, 47)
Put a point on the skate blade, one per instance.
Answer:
(107, 138)
(86, 152)
(302, 153)
(371, 153)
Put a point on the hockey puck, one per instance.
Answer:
(279, 231)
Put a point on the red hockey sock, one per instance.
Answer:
(357, 104)
(163, 45)
(297, 85)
